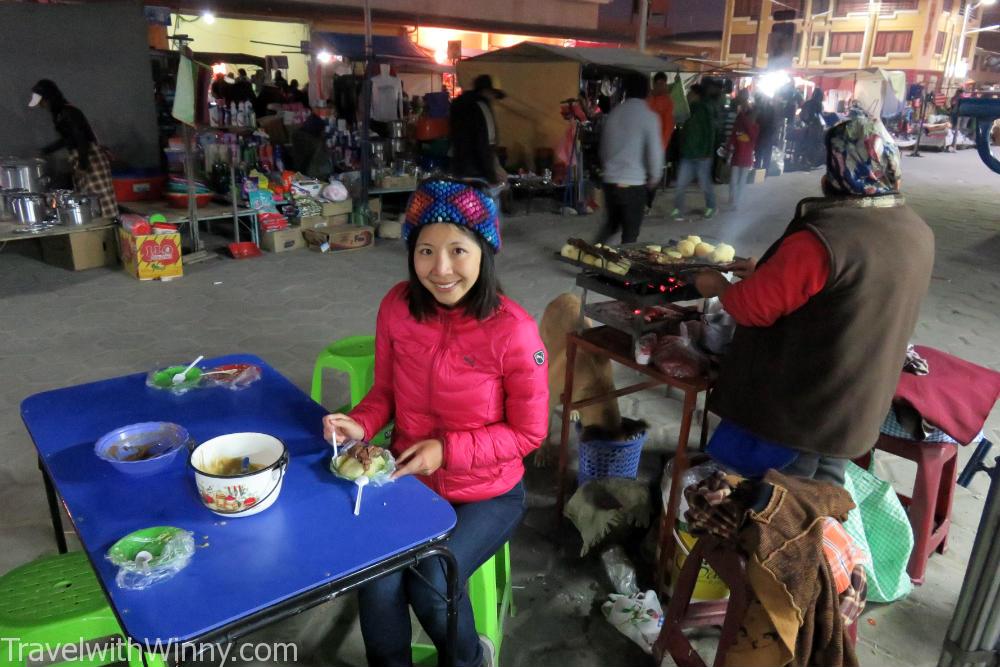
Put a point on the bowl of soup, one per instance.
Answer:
(239, 474)
(142, 449)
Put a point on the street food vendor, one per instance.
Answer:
(91, 169)
(824, 318)
(462, 371)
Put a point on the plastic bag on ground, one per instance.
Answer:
(620, 571)
(639, 617)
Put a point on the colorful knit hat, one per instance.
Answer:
(454, 202)
(861, 157)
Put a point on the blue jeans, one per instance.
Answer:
(482, 528)
(690, 169)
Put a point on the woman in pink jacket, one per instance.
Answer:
(462, 370)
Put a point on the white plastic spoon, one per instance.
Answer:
(179, 378)
(361, 483)
(142, 560)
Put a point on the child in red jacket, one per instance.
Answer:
(462, 370)
(742, 144)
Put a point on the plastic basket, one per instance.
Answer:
(604, 458)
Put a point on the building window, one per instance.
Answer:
(747, 9)
(845, 42)
(844, 7)
(785, 5)
(942, 36)
(743, 45)
(948, 5)
(820, 6)
(818, 40)
(892, 41)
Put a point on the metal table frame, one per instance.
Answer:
(616, 346)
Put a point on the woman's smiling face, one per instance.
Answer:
(446, 259)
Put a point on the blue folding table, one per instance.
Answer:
(246, 572)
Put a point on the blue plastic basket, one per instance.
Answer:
(610, 458)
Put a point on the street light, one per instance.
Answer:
(960, 60)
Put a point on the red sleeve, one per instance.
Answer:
(379, 405)
(796, 272)
(526, 409)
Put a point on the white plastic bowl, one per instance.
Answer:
(244, 494)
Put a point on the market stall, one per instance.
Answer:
(539, 77)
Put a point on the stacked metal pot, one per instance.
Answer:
(24, 197)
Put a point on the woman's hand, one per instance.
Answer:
(343, 427)
(743, 268)
(423, 458)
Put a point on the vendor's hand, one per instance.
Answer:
(743, 268)
(343, 427)
(423, 458)
(710, 282)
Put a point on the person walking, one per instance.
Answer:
(662, 105)
(742, 143)
(631, 160)
(697, 143)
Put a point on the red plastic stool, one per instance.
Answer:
(682, 613)
(929, 509)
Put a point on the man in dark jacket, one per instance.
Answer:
(824, 318)
(474, 133)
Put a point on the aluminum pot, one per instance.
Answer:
(399, 146)
(7, 202)
(397, 129)
(76, 210)
(30, 208)
(26, 174)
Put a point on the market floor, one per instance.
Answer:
(62, 328)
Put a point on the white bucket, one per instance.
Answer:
(241, 494)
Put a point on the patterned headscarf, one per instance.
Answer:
(454, 202)
(861, 157)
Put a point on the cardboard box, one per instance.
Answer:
(337, 220)
(337, 207)
(341, 237)
(151, 257)
(375, 205)
(313, 221)
(283, 240)
(81, 250)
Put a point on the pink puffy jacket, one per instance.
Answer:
(481, 387)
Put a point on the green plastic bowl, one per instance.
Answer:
(164, 379)
(154, 540)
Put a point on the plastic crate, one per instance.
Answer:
(603, 458)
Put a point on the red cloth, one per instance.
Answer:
(797, 271)
(663, 106)
(481, 387)
(956, 396)
(743, 141)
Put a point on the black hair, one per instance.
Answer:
(241, 72)
(636, 86)
(294, 83)
(659, 76)
(50, 92)
(697, 89)
(481, 301)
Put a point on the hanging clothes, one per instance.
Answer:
(387, 98)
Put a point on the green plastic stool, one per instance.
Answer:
(354, 355)
(492, 601)
(56, 601)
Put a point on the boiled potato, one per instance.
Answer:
(723, 254)
(619, 268)
(350, 467)
(703, 249)
(673, 254)
(694, 239)
(685, 248)
(654, 248)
